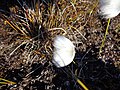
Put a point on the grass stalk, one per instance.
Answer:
(103, 41)
(4, 81)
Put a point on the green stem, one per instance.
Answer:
(103, 41)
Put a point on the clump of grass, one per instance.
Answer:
(26, 20)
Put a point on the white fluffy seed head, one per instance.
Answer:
(109, 8)
(64, 51)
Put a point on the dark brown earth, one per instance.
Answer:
(25, 58)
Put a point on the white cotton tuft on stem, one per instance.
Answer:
(64, 51)
(109, 8)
